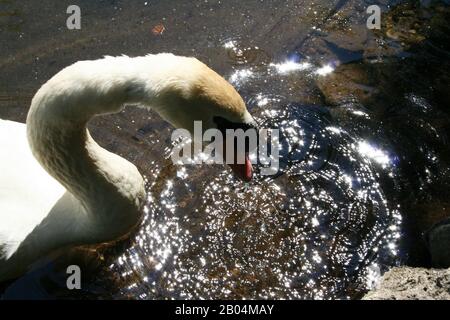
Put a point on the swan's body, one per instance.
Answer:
(58, 188)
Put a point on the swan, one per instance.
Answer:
(59, 188)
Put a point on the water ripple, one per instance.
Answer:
(317, 229)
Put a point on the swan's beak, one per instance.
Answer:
(243, 171)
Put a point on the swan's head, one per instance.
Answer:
(197, 93)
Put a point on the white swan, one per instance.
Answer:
(58, 187)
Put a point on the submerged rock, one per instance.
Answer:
(404, 283)
(438, 240)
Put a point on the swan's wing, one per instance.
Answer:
(27, 191)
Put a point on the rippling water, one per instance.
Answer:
(320, 228)
(316, 230)
(329, 222)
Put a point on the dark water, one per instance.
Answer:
(364, 160)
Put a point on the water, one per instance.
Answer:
(311, 232)
(364, 159)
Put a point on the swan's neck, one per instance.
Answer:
(110, 190)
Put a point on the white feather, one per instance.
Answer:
(27, 191)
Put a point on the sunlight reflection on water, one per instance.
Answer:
(320, 228)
